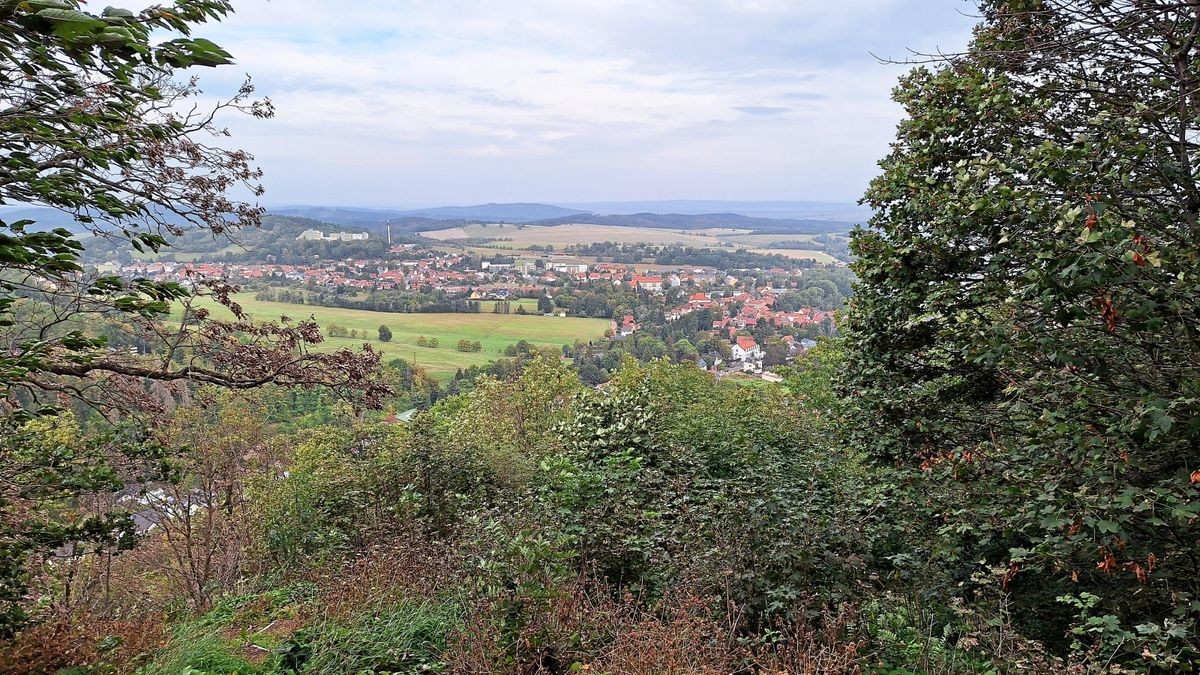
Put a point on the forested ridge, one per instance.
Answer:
(994, 468)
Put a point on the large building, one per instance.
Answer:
(317, 235)
(652, 284)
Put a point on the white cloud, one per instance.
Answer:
(422, 102)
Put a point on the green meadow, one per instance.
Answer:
(493, 331)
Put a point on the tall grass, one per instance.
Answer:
(402, 638)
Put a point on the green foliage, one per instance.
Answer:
(465, 345)
(385, 334)
(1022, 343)
(47, 464)
(911, 637)
(336, 491)
(670, 474)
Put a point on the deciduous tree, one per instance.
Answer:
(1024, 336)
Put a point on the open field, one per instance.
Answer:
(757, 240)
(493, 331)
(529, 304)
(186, 256)
(819, 256)
(559, 236)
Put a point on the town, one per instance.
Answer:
(745, 326)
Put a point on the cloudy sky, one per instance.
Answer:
(421, 103)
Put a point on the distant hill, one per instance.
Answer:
(46, 218)
(765, 217)
(679, 221)
(508, 213)
(492, 213)
(836, 211)
(339, 215)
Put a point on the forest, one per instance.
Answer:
(991, 466)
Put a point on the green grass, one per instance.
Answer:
(185, 256)
(493, 331)
(757, 240)
(529, 304)
(751, 381)
(220, 640)
(819, 256)
(561, 236)
(405, 638)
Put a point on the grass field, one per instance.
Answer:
(819, 256)
(185, 256)
(757, 240)
(529, 304)
(493, 331)
(559, 236)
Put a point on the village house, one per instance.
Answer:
(650, 284)
(628, 325)
(746, 349)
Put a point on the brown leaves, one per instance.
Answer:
(1108, 564)
(1013, 569)
(1108, 311)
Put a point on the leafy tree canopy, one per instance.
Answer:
(1023, 340)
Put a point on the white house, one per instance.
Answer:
(746, 349)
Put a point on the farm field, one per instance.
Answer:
(520, 237)
(559, 236)
(493, 331)
(529, 304)
(186, 256)
(756, 240)
(819, 256)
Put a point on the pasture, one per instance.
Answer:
(521, 237)
(560, 236)
(758, 240)
(493, 331)
(798, 253)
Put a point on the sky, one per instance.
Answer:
(397, 103)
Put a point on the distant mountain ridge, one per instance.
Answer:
(511, 213)
(703, 221)
(508, 213)
(765, 217)
(792, 210)
(689, 216)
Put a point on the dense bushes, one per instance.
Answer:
(483, 529)
(666, 520)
